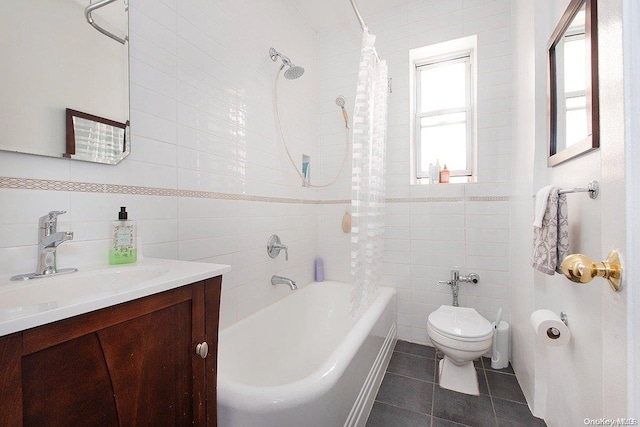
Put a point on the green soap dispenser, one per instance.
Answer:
(123, 240)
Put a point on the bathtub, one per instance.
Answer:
(304, 361)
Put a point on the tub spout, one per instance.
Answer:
(279, 280)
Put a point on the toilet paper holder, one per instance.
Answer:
(580, 268)
(553, 333)
(564, 318)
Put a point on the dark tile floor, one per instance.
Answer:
(410, 395)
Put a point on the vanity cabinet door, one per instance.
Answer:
(127, 365)
(10, 380)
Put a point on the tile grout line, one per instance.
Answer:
(493, 407)
(411, 378)
(400, 407)
(413, 354)
(433, 390)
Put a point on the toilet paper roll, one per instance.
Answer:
(550, 329)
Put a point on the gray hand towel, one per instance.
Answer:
(551, 240)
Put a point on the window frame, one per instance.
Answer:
(466, 56)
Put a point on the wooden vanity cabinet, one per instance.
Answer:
(133, 364)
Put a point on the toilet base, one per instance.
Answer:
(461, 378)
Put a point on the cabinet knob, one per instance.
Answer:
(202, 349)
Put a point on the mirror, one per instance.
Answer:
(573, 83)
(54, 61)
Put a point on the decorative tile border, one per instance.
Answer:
(50, 185)
(424, 199)
(488, 199)
(89, 187)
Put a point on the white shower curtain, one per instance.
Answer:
(368, 175)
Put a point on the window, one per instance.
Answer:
(575, 99)
(443, 111)
(574, 107)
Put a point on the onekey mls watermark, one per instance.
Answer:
(611, 421)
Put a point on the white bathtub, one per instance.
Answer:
(304, 362)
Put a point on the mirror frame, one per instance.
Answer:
(97, 156)
(592, 141)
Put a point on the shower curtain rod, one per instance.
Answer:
(357, 11)
(362, 24)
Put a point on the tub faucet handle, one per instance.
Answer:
(274, 246)
(285, 249)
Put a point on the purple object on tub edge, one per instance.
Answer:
(319, 265)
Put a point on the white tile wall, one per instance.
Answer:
(424, 240)
(202, 119)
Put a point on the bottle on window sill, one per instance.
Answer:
(434, 174)
(444, 175)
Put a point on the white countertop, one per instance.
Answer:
(30, 303)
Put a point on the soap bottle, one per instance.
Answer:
(444, 175)
(123, 240)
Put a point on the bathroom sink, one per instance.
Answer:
(22, 298)
(30, 303)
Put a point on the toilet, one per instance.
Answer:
(462, 335)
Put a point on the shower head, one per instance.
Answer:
(340, 100)
(293, 72)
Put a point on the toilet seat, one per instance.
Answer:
(460, 323)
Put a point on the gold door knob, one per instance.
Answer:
(581, 269)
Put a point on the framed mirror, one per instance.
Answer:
(573, 112)
(55, 60)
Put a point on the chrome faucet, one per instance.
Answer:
(279, 280)
(455, 278)
(48, 241)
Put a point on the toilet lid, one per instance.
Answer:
(462, 322)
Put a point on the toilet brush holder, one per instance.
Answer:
(500, 356)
